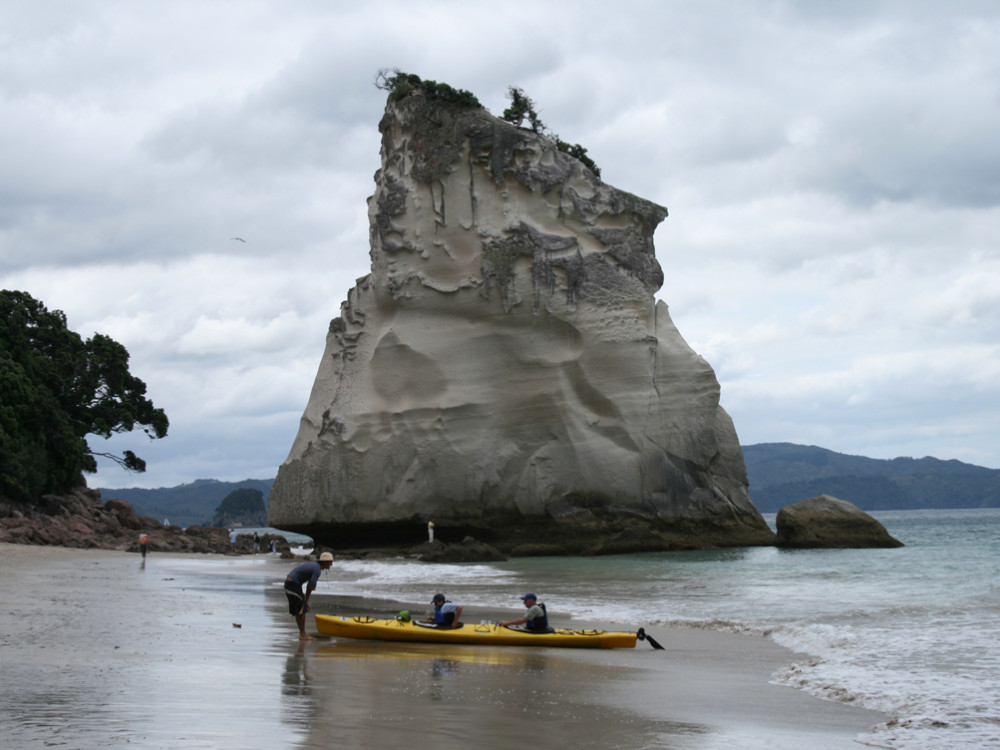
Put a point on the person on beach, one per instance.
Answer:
(446, 614)
(144, 544)
(306, 574)
(535, 620)
(256, 542)
(232, 540)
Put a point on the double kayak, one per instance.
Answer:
(489, 634)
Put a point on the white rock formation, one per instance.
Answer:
(504, 371)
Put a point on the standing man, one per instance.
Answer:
(232, 540)
(143, 544)
(535, 620)
(306, 574)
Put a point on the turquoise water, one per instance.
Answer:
(912, 632)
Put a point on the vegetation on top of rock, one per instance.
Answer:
(186, 504)
(579, 153)
(55, 389)
(242, 507)
(522, 106)
(400, 85)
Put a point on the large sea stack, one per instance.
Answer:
(504, 370)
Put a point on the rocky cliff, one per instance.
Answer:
(81, 519)
(504, 370)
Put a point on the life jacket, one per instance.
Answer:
(143, 539)
(444, 618)
(540, 623)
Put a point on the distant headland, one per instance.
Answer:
(780, 474)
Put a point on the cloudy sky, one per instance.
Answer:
(832, 171)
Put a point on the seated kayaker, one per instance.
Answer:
(535, 620)
(446, 614)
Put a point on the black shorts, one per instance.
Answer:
(296, 600)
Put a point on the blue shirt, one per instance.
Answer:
(306, 572)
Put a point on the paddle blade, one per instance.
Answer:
(643, 636)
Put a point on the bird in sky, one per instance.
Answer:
(238, 238)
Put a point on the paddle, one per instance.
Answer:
(642, 636)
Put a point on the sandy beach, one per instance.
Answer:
(198, 651)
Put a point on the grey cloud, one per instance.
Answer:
(831, 172)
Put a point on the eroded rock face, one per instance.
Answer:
(827, 521)
(504, 370)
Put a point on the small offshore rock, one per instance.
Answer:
(469, 550)
(829, 522)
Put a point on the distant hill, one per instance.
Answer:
(783, 473)
(780, 474)
(186, 504)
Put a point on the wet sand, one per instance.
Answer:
(98, 650)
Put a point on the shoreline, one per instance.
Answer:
(93, 634)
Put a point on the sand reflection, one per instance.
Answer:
(354, 693)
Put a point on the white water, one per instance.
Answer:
(912, 632)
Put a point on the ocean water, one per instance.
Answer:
(912, 632)
(290, 536)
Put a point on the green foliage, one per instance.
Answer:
(521, 106)
(578, 152)
(243, 506)
(186, 504)
(783, 473)
(400, 85)
(55, 389)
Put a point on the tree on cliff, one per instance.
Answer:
(522, 106)
(244, 506)
(400, 84)
(55, 389)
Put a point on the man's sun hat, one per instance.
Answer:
(326, 557)
(529, 596)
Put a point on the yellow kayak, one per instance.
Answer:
(490, 634)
